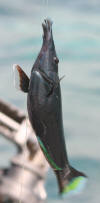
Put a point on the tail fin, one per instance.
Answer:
(71, 181)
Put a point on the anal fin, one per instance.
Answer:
(21, 80)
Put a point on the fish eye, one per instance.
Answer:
(56, 60)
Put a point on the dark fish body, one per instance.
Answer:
(45, 110)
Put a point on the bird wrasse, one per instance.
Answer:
(45, 112)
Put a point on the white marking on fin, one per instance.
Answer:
(21, 80)
(16, 77)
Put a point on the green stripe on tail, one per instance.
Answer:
(47, 155)
(75, 186)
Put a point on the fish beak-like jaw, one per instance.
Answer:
(47, 29)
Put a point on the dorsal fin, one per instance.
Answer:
(21, 80)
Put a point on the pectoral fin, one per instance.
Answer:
(21, 80)
(49, 81)
(61, 78)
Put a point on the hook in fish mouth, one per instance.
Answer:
(47, 28)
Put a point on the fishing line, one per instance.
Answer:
(45, 10)
(16, 85)
(47, 3)
(45, 7)
(23, 167)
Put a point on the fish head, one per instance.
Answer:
(47, 59)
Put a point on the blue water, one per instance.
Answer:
(76, 31)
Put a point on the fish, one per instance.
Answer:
(44, 105)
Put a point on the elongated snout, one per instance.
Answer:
(47, 29)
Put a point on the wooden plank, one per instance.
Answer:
(12, 111)
(28, 167)
(7, 121)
